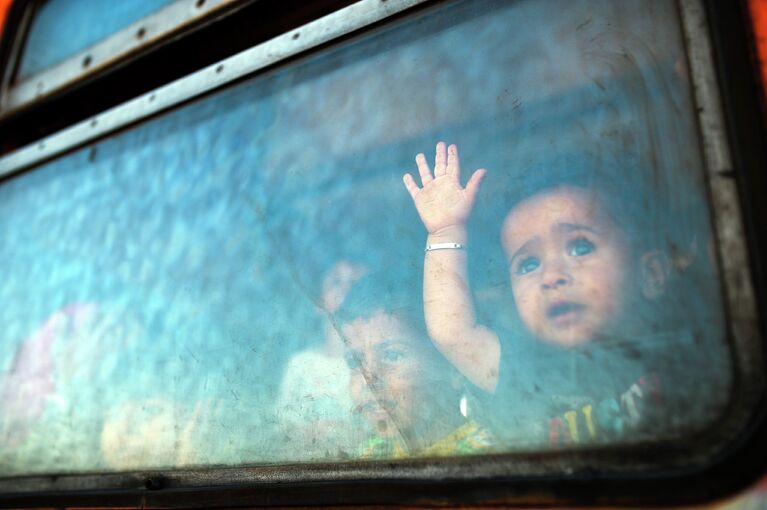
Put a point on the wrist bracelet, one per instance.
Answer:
(443, 246)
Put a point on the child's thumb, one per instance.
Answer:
(472, 187)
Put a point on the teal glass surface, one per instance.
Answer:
(240, 280)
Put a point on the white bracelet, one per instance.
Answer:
(443, 246)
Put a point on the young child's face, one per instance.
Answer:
(386, 382)
(570, 266)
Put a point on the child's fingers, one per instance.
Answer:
(440, 160)
(453, 163)
(472, 187)
(411, 186)
(423, 169)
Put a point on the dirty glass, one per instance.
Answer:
(241, 280)
(62, 28)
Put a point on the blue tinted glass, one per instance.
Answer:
(62, 28)
(241, 280)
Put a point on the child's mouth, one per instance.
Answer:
(376, 411)
(563, 313)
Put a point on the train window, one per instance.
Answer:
(62, 28)
(406, 243)
(69, 40)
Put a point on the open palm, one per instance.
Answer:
(441, 201)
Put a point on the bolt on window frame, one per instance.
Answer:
(113, 50)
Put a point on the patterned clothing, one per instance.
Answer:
(469, 438)
(612, 418)
(627, 389)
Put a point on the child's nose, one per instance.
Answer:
(357, 384)
(373, 381)
(554, 276)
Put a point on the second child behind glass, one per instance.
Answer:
(412, 398)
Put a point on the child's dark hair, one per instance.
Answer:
(675, 228)
(398, 295)
(382, 290)
(628, 198)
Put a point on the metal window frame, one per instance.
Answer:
(114, 49)
(311, 35)
(594, 474)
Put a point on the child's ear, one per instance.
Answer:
(655, 269)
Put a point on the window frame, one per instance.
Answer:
(125, 43)
(552, 477)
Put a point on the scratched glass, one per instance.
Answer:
(240, 280)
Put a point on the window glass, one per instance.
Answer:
(62, 28)
(243, 279)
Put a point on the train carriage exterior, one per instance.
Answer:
(244, 265)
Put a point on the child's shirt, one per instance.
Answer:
(469, 438)
(627, 390)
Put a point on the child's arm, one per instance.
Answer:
(444, 207)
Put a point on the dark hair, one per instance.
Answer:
(630, 201)
(397, 293)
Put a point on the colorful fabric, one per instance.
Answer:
(639, 407)
(469, 438)
(625, 389)
(382, 448)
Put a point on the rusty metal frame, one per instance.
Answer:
(732, 252)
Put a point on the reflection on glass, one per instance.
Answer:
(62, 28)
(206, 278)
(151, 431)
(314, 406)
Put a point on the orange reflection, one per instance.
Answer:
(758, 10)
(5, 6)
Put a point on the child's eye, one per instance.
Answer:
(527, 265)
(392, 356)
(352, 361)
(580, 247)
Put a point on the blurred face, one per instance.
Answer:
(337, 283)
(386, 379)
(570, 266)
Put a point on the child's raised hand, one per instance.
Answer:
(441, 201)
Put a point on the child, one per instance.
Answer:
(586, 277)
(412, 398)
